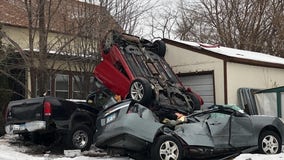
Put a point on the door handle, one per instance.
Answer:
(215, 123)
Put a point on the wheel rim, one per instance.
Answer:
(169, 151)
(80, 139)
(137, 91)
(270, 144)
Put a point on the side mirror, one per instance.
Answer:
(239, 114)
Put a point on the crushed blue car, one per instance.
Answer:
(129, 128)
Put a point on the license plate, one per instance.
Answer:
(110, 118)
(16, 127)
(20, 127)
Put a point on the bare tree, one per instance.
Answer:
(11, 75)
(81, 50)
(12, 63)
(40, 16)
(61, 34)
(250, 25)
(163, 22)
(128, 13)
(85, 50)
(193, 26)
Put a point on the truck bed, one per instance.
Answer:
(25, 110)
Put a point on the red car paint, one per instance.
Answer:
(117, 73)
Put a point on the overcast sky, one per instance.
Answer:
(144, 28)
(158, 11)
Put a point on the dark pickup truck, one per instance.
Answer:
(55, 120)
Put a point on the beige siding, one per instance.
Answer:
(55, 40)
(186, 61)
(67, 65)
(21, 37)
(249, 76)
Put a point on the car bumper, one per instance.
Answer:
(25, 127)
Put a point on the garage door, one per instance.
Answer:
(201, 84)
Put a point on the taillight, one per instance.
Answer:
(47, 109)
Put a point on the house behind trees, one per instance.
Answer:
(56, 49)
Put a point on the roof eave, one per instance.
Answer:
(223, 57)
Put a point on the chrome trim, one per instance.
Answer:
(28, 126)
(114, 110)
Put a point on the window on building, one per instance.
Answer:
(92, 84)
(80, 87)
(47, 89)
(61, 85)
(77, 87)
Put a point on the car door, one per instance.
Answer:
(241, 131)
(112, 78)
(219, 124)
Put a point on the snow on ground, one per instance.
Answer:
(260, 157)
(11, 148)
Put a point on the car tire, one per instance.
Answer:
(195, 102)
(141, 91)
(25, 136)
(269, 143)
(159, 47)
(167, 147)
(80, 137)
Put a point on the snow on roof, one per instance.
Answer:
(82, 55)
(237, 53)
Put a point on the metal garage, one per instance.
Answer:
(203, 84)
(230, 68)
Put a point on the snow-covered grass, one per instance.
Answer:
(11, 148)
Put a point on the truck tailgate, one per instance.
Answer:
(25, 110)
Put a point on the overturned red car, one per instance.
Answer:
(134, 67)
